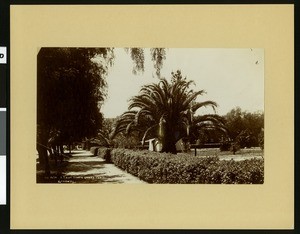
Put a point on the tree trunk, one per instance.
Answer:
(43, 157)
(169, 141)
(41, 146)
(61, 153)
(170, 146)
(55, 154)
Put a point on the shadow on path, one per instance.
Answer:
(83, 167)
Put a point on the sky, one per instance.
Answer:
(230, 77)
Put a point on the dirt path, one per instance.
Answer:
(83, 167)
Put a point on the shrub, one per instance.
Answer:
(261, 140)
(235, 146)
(154, 167)
(246, 139)
(94, 150)
(230, 146)
(105, 154)
(225, 146)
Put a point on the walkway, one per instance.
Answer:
(83, 167)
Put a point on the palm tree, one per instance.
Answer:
(166, 110)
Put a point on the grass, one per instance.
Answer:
(246, 153)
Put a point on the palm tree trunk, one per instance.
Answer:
(169, 140)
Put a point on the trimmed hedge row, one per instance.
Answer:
(154, 167)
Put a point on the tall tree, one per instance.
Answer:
(70, 85)
(166, 110)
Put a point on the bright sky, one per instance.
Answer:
(230, 77)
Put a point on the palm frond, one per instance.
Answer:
(146, 133)
(198, 105)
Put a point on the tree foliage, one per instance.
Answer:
(261, 139)
(158, 55)
(138, 58)
(70, 85)
(166, 110)
(244, 127)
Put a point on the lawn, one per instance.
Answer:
(242, 154)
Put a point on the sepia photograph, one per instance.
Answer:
(150, 115)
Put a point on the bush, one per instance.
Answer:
(105, 154)
(246, 139)
(94, 150)
(154, 167)
(261, 140)
(225, 146)
(235, 146)
(230, 146)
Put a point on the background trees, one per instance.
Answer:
(245, 128)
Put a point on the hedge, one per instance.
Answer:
(154, 167)
(94, 150)
(105, 153)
